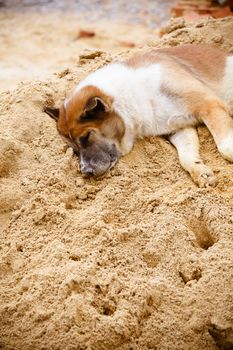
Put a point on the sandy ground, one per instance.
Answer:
(37, 45)
(140, 259)
(38, 38)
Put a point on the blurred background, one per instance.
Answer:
(38, 38)
(149, 12)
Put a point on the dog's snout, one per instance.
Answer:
(88, 173)
(96, 159)
(87, 170)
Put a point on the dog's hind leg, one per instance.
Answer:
(187, 145)
(215, 115)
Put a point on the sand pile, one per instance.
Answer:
(141, 259)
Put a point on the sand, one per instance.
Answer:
(37, 45)
(140, 259)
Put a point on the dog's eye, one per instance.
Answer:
(87, 117)
(90, 116)
(84, 139)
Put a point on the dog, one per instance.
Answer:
(167, 91)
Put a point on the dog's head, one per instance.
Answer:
(88, 123)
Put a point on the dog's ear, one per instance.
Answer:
(53, 112)
(96, 104)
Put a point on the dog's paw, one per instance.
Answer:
(203, 176)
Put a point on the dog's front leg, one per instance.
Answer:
(187, 145)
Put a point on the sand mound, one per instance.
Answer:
(141, 259)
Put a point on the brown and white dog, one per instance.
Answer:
(168, 91)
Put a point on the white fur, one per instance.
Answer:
(226, 147)
(138, 99)
(226, 85)
(187, 145)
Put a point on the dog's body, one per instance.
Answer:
(164, 92)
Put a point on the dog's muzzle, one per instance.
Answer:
(96, 160)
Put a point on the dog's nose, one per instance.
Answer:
(87, 170)
(88, 173)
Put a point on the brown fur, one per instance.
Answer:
(70, 123)
(214, 113)
(186, 57)
(185, 63)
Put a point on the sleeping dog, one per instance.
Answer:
(167, 91)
